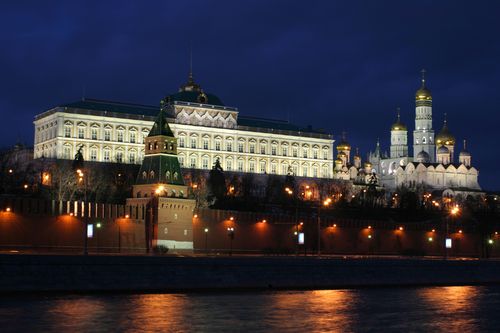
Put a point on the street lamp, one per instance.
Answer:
(326, 203)
(230, 233)
(206, 240)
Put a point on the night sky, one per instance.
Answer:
(341, 66)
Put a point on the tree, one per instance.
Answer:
(216, 184)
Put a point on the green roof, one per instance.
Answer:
(99, 105)
(185, 96)
(273, 124)
(160, 127)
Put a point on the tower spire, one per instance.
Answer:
(191, 63)
(423, 71)
(445, 119)
(398, 110)
(465, 145)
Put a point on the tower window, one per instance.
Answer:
(423, 140)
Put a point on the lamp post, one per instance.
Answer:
(83, 178)
(453, 212)
(230, 233)
(206, 240)
(326, 203)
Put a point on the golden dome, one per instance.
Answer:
(445, 137)
(338, 161)
(398, 125)
(423, 94)
(343, 145)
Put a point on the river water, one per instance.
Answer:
(429, 309)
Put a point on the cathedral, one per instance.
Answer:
(433, 166)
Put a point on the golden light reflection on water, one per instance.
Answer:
(157, 312)
(327, 310)
(451, 306)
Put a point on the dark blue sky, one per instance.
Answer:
(335, 65)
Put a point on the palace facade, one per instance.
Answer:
(205, 128)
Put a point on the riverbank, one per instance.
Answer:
(72, 273)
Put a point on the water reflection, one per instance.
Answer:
(442, 309)
(453, 308)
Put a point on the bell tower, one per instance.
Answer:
(423, 135)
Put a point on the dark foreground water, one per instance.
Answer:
(435, 309)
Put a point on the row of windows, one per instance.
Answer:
(119, 156)
(260, 167)
(240, 148)
(107, 134)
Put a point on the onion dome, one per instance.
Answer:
(343, 145)
(341, 154)
(398, 125)
(423, 94)
(445, 137)
(443, 150)
(464, 152)
(338, 161)
(423, 157)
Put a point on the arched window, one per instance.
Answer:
(144, 175)
(151, 174)
(167, 175)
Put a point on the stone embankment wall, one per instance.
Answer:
(35, 273)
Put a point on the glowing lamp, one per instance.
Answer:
(7, 209)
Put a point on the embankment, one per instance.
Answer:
(69, 273)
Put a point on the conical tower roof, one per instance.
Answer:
(160, 126)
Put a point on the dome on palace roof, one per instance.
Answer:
(191, 92)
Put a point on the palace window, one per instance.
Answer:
(106, 156)
(273, 150)
(119, 157)
(252, 148)
(181, 161)
(263, 149)
(324, 172)
(315, 172)
(284, 169)
(251, 166)
(107, 135)
(315, 153)
(295, 170)
(304, 153)
(229, 165)
(131, 158)
(192, 162)
(182, 142)
(132, 137)
(193, 142)
(325, 154)
(285, 151)
(217, 145)
(93, 154)
(304, 171)
(295, 151)
(240, 147)
(273, 168)
(262, 167)
(205, 163)
(240, 166)
(81, 132)
(119, 136)
(67, 152)
(205, 143)
(229, 146)
(93, 133)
